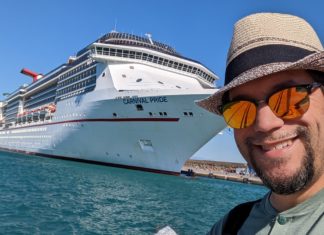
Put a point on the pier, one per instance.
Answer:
(220, 170)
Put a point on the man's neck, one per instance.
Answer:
(284, 202)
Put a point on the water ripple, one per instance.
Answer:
(48, 196)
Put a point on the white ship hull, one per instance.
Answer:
(91, 134)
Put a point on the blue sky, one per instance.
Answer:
(42, 34)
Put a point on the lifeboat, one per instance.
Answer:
(29, 116)
(51, 108)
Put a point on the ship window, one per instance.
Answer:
(126, 54)
(99, 50)
(115, 114)
(185, 113)
(180, 66)
(191, 114)
(124, 75)
(138, 55)
(161, 114)
(139, 80)
(131, 67)
(112, 52)
(165, 113)
(178, 87)
(150, 113)
(103, 74)
(139, 107)
(105, 51)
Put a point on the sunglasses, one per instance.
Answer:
(288, 103)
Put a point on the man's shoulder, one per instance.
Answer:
(233, 221)
(237, 216)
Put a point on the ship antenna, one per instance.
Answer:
(115, 29)
(149, 37)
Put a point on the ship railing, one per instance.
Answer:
(207, 77)
(130, 39)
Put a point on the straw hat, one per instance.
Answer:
(266, 43)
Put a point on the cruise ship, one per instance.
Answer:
(123, 100)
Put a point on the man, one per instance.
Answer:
(273, 98)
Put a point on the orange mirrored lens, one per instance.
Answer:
(289, 103)
(239, 114)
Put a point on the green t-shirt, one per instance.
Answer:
(305, 218)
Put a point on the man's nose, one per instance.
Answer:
(266, 120)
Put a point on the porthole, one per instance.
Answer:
(139, 107)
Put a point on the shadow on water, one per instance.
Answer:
(40, 195)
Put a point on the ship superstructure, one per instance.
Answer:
(123, 100)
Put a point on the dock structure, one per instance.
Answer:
(219, 170)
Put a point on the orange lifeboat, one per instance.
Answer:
(52, 108)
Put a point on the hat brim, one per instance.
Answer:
(314, 61)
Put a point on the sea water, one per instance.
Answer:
(49, 196)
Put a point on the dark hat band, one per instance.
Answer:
(263, 55)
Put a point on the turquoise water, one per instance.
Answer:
(49, 196)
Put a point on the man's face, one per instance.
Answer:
(288, 155)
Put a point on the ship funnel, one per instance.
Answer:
(32, 74)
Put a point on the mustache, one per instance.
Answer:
(300, 131)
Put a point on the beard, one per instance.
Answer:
(298, 181)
